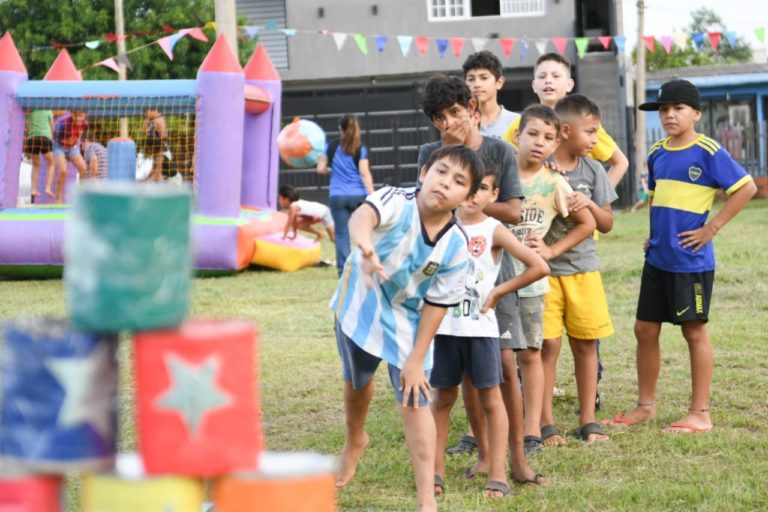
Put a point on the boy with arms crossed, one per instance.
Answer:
(409, 266)
(546, 199)
(577, 299)
(685, 170)
(449, 105)
(468, 337)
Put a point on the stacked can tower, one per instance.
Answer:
(128, 268)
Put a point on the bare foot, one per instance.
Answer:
(597, 438)
(34, 193)
(349, 457)
(49, 192)
(642, 412)
(691, 423)
(555, 440)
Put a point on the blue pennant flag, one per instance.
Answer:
(381, 43)
(620, 41)
(698, 39)
(442, 45)
(251, 31)
(523, 48)
(731, 37)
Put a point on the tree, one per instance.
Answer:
(36, 24)
(703, 21)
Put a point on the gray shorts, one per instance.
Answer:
(508, 308)
(532, 320)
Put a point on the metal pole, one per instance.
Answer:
(226, 21)
(640, 148)
(121, 74)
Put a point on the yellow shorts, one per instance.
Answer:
(578, 304)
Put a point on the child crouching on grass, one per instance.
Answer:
(304, 214)
(409, 266)
(468, 337)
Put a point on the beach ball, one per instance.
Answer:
(300, 143)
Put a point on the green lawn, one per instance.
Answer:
(639, 469)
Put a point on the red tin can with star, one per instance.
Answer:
(197, 398)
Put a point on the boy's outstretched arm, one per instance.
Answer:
(603, 214)
(412, 378)
(585, 226)
(536, 267)
(361, 225)
(619, 166)
(698, 238)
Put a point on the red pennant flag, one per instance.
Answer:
(560, 43)
(605, 41)
(714, 40)
(109, 36)
(422, 43)
(650, 42)
(167, 28)
(507, 43)
(54, 44)
(457, 43)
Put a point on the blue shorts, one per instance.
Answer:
(59, 150)
(358, 367)
(479, 357)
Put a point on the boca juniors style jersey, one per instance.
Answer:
(683, 182)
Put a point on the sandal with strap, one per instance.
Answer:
(497, 486)
(548, 431)
(584, 431)
(538, 479)
(439, 482)
(466, 446)
(532, 445)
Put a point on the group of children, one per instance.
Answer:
(493, 256)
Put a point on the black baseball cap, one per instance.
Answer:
(675, 91)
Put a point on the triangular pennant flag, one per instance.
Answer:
(698, 39)
(362, 43)
(760, 34)
(479, 43)
(507, 43)
(621, 42)
(123, 59)
(666, 42)
(681, 40)
(251, 31)
(523, 49)
(174, 39)
(195, 33)
(605, 41)
(271, 25)
(93, 44)
(714, 40)
(650, 43)
(457, 44)
(339, 38)
(381, 43)
(324, 32)
(541, 46)
(731, 37)
(109, 63)
(211, 25)
(167, 28)
(289, 32)
(560, 43)
(442, 46)
(110, 37)
(581, 45)
(422, 44)
(165, 44)
(405, 44)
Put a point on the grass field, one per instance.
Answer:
(640, 469)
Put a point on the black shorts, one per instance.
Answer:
(672, 297)
(454, 355)
(37, 144)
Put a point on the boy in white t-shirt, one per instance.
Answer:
(304, 214)
(468, 338)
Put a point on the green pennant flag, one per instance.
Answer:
(760, 34)
(581, 45)
(362, 43)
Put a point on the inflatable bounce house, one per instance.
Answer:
(223, 128)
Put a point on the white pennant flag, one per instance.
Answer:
(479, 43)
(405, 44)
(339, 38)
(541, 46)
(680, 40)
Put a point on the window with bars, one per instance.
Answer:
(463, 9)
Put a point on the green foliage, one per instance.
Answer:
(703, 20)
(37, 23)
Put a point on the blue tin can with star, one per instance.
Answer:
(59, 397)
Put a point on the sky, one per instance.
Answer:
(665, 17)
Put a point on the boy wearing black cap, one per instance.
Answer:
(685, 170)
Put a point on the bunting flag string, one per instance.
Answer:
(381, 43)
(362, 43)
(442, 46)
(507, 43)
(479, 43)
(457, 44)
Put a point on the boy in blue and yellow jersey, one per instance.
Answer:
(685, 170)
(410, 264)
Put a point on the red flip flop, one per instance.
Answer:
(619, 421)
(692, 429)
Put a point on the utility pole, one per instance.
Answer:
(121, 74)
(226, 21)
(640, 149)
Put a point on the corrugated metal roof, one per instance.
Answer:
(259, 12)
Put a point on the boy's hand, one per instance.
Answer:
(536, 242)
(456, 133)
(697, 238)
(491, 301)
(371, 265)
(550, 164)
(577, 201)
(413, 382)
(646, 245)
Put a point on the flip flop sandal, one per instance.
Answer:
(495, 485)
(532, 445)
(538, 479)
(439, 482)
(466, 446)
(548, 431)
(471, 472)
(587, 430)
